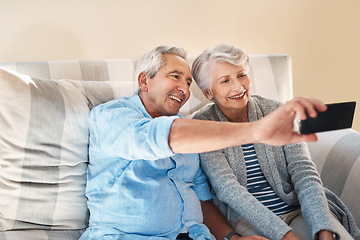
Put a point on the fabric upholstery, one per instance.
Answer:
(41, 235)
(271, 76)
(101, 70)
(337, 158)
(43, 142)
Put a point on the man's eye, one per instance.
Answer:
(175, 76)
(189, 83)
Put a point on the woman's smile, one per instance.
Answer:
(238, 96)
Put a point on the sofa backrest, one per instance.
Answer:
(271, 75)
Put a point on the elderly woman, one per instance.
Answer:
(263, 190)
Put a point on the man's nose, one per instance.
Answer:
(183, 87)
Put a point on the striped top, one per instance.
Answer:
(258, 186)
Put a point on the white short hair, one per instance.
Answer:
(151, 62)
(220, 53)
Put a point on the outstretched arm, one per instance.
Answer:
(277, 128)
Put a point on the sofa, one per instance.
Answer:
(44, 139)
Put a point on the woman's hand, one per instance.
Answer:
(325, 235)
(251, 237)
(290, 236)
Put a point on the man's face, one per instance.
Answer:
(168, 90)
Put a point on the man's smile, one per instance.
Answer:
(177, 99)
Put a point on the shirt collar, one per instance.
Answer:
(138, 103)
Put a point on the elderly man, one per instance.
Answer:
(144, 179)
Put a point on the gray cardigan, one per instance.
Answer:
(288, 169)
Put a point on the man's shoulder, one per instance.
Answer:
(112, 106)
(115, 103)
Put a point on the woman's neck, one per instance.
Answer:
(236, 115)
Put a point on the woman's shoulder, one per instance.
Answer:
(265, 100)
(207, 112)
(266, 103)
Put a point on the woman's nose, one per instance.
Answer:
(237, 85)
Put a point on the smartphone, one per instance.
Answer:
(337, 116)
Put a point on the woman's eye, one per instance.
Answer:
(225, 81)
(241, 75)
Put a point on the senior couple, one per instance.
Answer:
(144, 175)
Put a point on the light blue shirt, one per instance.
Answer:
(137, 187)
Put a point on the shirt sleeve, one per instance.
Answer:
(201, 186)
(122, 131)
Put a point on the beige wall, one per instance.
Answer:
(321, 36)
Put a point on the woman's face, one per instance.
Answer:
(230, 86)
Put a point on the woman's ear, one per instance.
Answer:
(208, 94)
(142, 81)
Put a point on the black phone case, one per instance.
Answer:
(337, 116)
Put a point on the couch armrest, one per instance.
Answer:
(337, 158)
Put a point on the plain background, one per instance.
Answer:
(321, 36)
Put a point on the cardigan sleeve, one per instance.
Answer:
(308, 187)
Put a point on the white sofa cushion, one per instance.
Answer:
(43, 149)
(337, 158)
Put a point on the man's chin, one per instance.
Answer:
(174, 109)
(173, 112)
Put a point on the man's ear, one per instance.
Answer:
(208, 94)
(143, 81)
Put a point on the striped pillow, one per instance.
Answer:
(43, 149)
(337, 158)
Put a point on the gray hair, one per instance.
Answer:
(220, 53)
(151, 62)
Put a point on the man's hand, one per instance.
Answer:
(277, 128)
